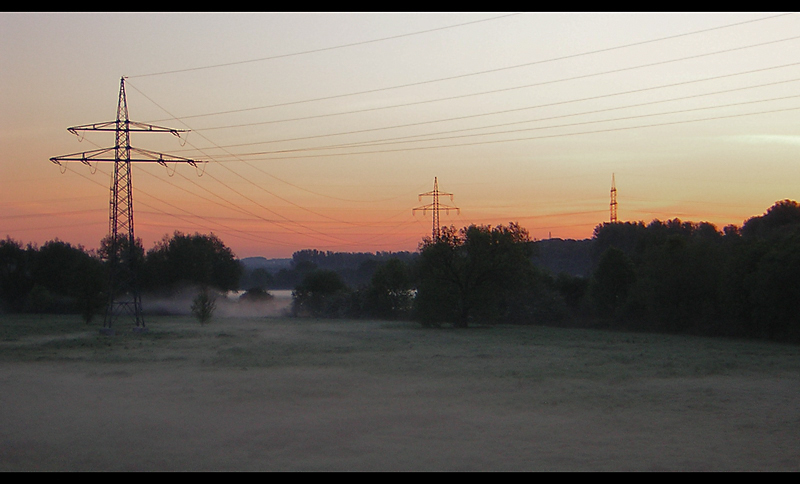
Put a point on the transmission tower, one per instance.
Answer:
(436, 207)
(123, 291)
(613, 200)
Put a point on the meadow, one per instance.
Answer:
(292, 394)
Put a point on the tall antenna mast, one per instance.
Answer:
(613, 200)
(123, 291)
(436, 207)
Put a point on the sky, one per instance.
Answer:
(322, 130)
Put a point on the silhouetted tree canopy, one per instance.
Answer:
(613, 279)
(16, 274)
(691, 277)
(322, 293)
(671, 275)
(474, 269)
(784, 214)
(259, 278)
(389, 293)
(200, 260)
(58, 277)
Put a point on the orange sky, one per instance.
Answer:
(321, 130)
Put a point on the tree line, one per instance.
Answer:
(668, 276)
(690, 277)
(665, 276)
(354, 268)
(59, 277)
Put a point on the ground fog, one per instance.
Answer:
(283, 394)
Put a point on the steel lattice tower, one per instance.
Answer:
(435, 206)
(613, 207)
(123, 291)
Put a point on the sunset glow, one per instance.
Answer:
(321, 130)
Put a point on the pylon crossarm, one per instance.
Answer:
(163, 159)
(431, 206)
(85, 156)
(424, 209)
(107, 126)
(154, 128)
(430, 194)
(131, 126)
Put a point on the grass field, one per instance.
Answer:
(312, 395)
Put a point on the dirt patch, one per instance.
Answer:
(295, 395)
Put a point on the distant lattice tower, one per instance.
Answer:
(613, 200)
(436, 207)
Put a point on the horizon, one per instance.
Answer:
(289, 257)
(322, 130)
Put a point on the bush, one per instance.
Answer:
(203, 306)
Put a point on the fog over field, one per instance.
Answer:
(293, 394)
(227, 305)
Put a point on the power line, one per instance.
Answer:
(51, 214)
(257, 168)
(552, 104)
(231, 205)
(479, 128)
(527, 138)
(624, 118)
(267, 191)
(216, 225)
(427, 137)
(500, 69)
(325, 49)
(302, 188)
(538, 106)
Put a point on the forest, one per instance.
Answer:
(668, 276)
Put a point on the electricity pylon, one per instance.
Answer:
(123, 291)
(613, 207)
(435, 206)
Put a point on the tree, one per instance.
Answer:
(58, 277)
(782, 215)
(129, 261)
(16, 274)
(759, 290)
(204, 305)
(389, 292)
(612, 280)
(471, 273)
(258, 278)
(193, 260)
(69, 278)
(775, 289)
(322, 293)
(626, 236)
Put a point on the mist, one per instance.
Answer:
(228, 305)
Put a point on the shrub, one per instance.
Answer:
(203, 306)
